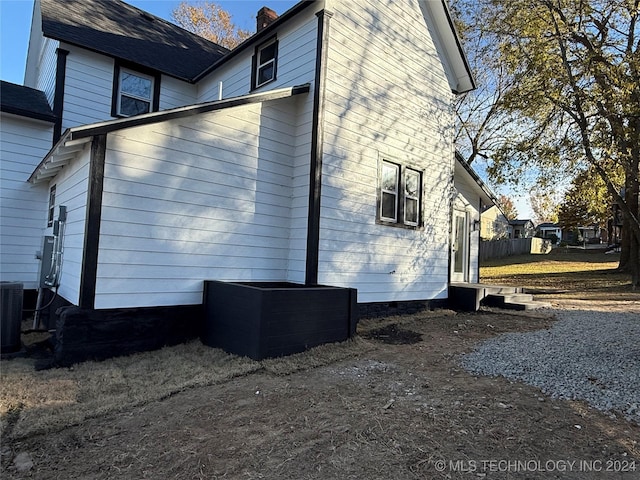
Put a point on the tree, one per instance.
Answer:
(544, 206)
(576, 99)
(211, 21)
(482, 123)
(507, 207)
(586, 202)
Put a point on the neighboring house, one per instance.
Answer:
(522, 228)
(550, 230)
(319, 151)
(591, 234)
(471, 197)
(494, 224)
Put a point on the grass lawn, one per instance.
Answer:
(569, 273)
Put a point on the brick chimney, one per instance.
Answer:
(266, 16)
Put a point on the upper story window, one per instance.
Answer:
(134, 92)
(265, 63)
(399, 195)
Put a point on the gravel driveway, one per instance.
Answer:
(586, 355)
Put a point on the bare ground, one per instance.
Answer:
(401, 408)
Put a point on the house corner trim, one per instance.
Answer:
(88, 276)
(58, 96)
(317, 139)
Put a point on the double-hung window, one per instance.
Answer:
(265, 63)
(134, 92)
(400, 195)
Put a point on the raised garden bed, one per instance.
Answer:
(271, 319)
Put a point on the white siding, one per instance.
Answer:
(300, 192)
(71, 191)
(47, 69)
(296, 66)
(387, 96)
(23, 207)
(206, 197)
(88, 86)
(296, 62)
(40, 70)
(176, 93)
(89, 89)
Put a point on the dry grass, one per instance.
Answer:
(578, 274)
(34, 402)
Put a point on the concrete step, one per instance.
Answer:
(499, 299)
(469, 297)
(532, 305)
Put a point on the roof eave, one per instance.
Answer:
(45, 117)
(458, 72)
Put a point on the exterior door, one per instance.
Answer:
(460, 247)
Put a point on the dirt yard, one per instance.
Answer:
(400, 408)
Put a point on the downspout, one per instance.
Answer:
(317, 139)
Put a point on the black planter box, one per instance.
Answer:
(271, 319)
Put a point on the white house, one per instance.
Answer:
(550, 230)
(319, 151)
(522, 228)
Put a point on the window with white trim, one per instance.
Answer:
(389, 182)
(135, 93)
(265, 63)
(399, 195)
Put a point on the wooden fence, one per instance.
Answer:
(513, 246)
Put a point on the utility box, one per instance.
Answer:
(11, 294)
(45, 261)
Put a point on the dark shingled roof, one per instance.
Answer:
(25, 101)
(119, 30)
(519, 222)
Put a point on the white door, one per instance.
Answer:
(460, 247)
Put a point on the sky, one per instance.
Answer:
(15, 22)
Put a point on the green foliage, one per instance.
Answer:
(587, 202)
(576, 96)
